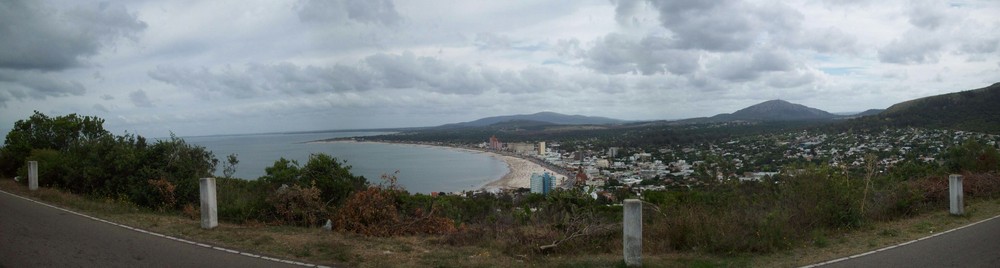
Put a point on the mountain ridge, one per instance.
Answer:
(969, 110)
(777, 110)
(545, 117)
(772, 110)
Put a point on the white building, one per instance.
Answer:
(542, 183)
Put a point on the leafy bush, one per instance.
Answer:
(75, 153)
(42, 132)
(283, 172)
(183, 164)
(243, 200)
(972, 156)
(52, 168)
(332, 176)
(298, 205)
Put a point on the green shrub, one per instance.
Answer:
(332, 176)
(283, 172)
(183, 164)
(328, 174)
(972, 156)
(53, 170)
(75, 153)
(242, 200)
(42, 132)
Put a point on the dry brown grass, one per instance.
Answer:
(314, 245)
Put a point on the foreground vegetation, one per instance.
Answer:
(807, 206)
(317, 246)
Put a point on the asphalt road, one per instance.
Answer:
(974, 246)
(34, 235)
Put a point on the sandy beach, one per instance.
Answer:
(518, 174)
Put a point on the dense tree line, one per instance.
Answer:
(77, 154)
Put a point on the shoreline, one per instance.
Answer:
(518, 174)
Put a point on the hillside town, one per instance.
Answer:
(749, 158)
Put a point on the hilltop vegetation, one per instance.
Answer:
(715, 216)
(973, 110)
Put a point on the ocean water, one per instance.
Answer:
(422, 169)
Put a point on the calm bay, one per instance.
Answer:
(422, 169)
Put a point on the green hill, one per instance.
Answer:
(972, 110)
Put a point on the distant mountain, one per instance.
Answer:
(537, 118)
(517, 124)
(971, 110)
(775, 110)
(869, 112)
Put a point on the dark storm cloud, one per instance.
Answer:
(39, 37)
(38, 40)
(378, 71)
(752, 38)
(725, 25)
(21, 84)
(624, 9)
(226, 80)
(340, 11)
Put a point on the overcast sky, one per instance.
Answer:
(222, 67)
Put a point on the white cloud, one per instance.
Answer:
(308, 65)
(914, 47)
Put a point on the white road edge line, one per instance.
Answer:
(167, 236)
(897, 245)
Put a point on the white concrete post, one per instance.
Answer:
(955, 192)
(632, 228)
(33, 175)
(209, 213)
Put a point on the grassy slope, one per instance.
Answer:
(316, 246)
